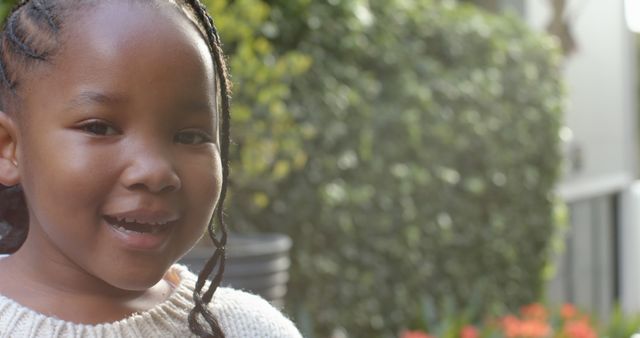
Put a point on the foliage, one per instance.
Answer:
(5, 6)
(431, 162)
(621, 325)
(491, 5)
(532, 321)
(266, 139)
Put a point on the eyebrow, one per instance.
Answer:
(90, 97)
(195, 107)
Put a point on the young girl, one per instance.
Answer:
(114, 132)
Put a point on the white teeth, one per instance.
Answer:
(120, 223)
(125, 230)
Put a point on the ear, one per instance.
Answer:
(9, 175)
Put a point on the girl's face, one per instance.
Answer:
(117, 144)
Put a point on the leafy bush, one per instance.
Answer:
(431, 163)
(267, 142)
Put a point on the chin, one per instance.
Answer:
(136, 279)
(136, 285)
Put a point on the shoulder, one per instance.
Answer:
(242, 314)
(251, 315)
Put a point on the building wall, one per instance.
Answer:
(596, 267)
(601, 113)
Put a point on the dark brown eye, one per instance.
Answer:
(192, 137)
(98, 128)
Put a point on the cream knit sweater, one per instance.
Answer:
(240, 314)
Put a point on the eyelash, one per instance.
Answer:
(204, 137)
(90, 127)
(108, 130)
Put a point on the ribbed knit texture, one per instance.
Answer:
(240, 314)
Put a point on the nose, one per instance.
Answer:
(151, 170)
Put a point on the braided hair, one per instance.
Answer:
(29, 39)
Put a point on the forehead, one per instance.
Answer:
(139, 28)
(126, 20)
(128, 47)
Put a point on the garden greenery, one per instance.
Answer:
(267, 142)
(430, 166)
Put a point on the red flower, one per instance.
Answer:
(514, 327)
(534, 311)
(579, 329)
(568, 311)
(469, 332)
(415, 334)
(511, 326)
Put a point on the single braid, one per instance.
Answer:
(44, 11)
(12, 34)
(18, 51)
(219, 257)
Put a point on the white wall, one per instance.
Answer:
(602, 156)
(601, 110)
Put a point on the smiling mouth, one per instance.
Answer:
(130, 225)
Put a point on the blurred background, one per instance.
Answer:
(443, 168)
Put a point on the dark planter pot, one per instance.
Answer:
(258, 263)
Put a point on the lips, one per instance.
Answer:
(142, 229)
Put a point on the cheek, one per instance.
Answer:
(204, 185)
(202, 191)
(209, 188)
(65, 173)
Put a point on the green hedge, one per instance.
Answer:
(431, 163)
